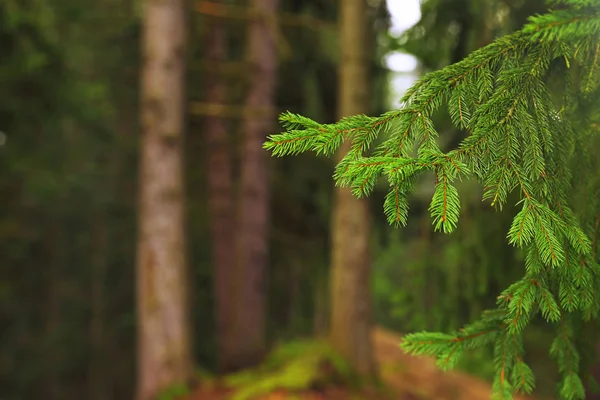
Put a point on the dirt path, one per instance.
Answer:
(420, 377)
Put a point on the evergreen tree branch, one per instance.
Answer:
(519, 136)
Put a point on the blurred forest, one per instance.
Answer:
(270, 250)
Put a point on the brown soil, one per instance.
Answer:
(420, 377)
(407, 377)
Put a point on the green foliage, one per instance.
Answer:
(174, 392)
(66, 225)
(294, 366)
(521, 138)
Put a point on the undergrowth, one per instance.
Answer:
(295, 366)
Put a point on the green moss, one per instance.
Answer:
(292, 367)
(174, 392)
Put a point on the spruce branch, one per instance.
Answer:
(522, 375)
(520, 136)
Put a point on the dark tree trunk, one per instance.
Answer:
(220, 199)
(97, 381)
(53, 307)
(253, 200)
(322, 300)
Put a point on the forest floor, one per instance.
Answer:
(405, 377)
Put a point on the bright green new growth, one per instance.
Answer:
(528, 102)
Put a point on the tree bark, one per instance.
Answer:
(163, 323)
(322, 300)
(253, 199)
(351, 265)
(220, 199)
(99, 252)
(53, 307)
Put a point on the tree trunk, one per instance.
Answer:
(53, 307)
(252, 225)
(351, 302)
(322, 299)
(220, 199)
(99, 252)
(163, 323)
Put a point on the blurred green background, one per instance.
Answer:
(69, 79)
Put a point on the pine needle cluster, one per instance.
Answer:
(528, 102)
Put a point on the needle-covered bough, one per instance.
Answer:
(529, 103)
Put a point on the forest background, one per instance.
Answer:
(69, 161)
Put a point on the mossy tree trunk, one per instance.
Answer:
(351, 263)
(164, 353)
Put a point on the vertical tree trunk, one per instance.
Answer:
(220, 199)
(322, 300)
(53, 306)
(252, 226)
(97, 383)
(163, 323)
(351, 302)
